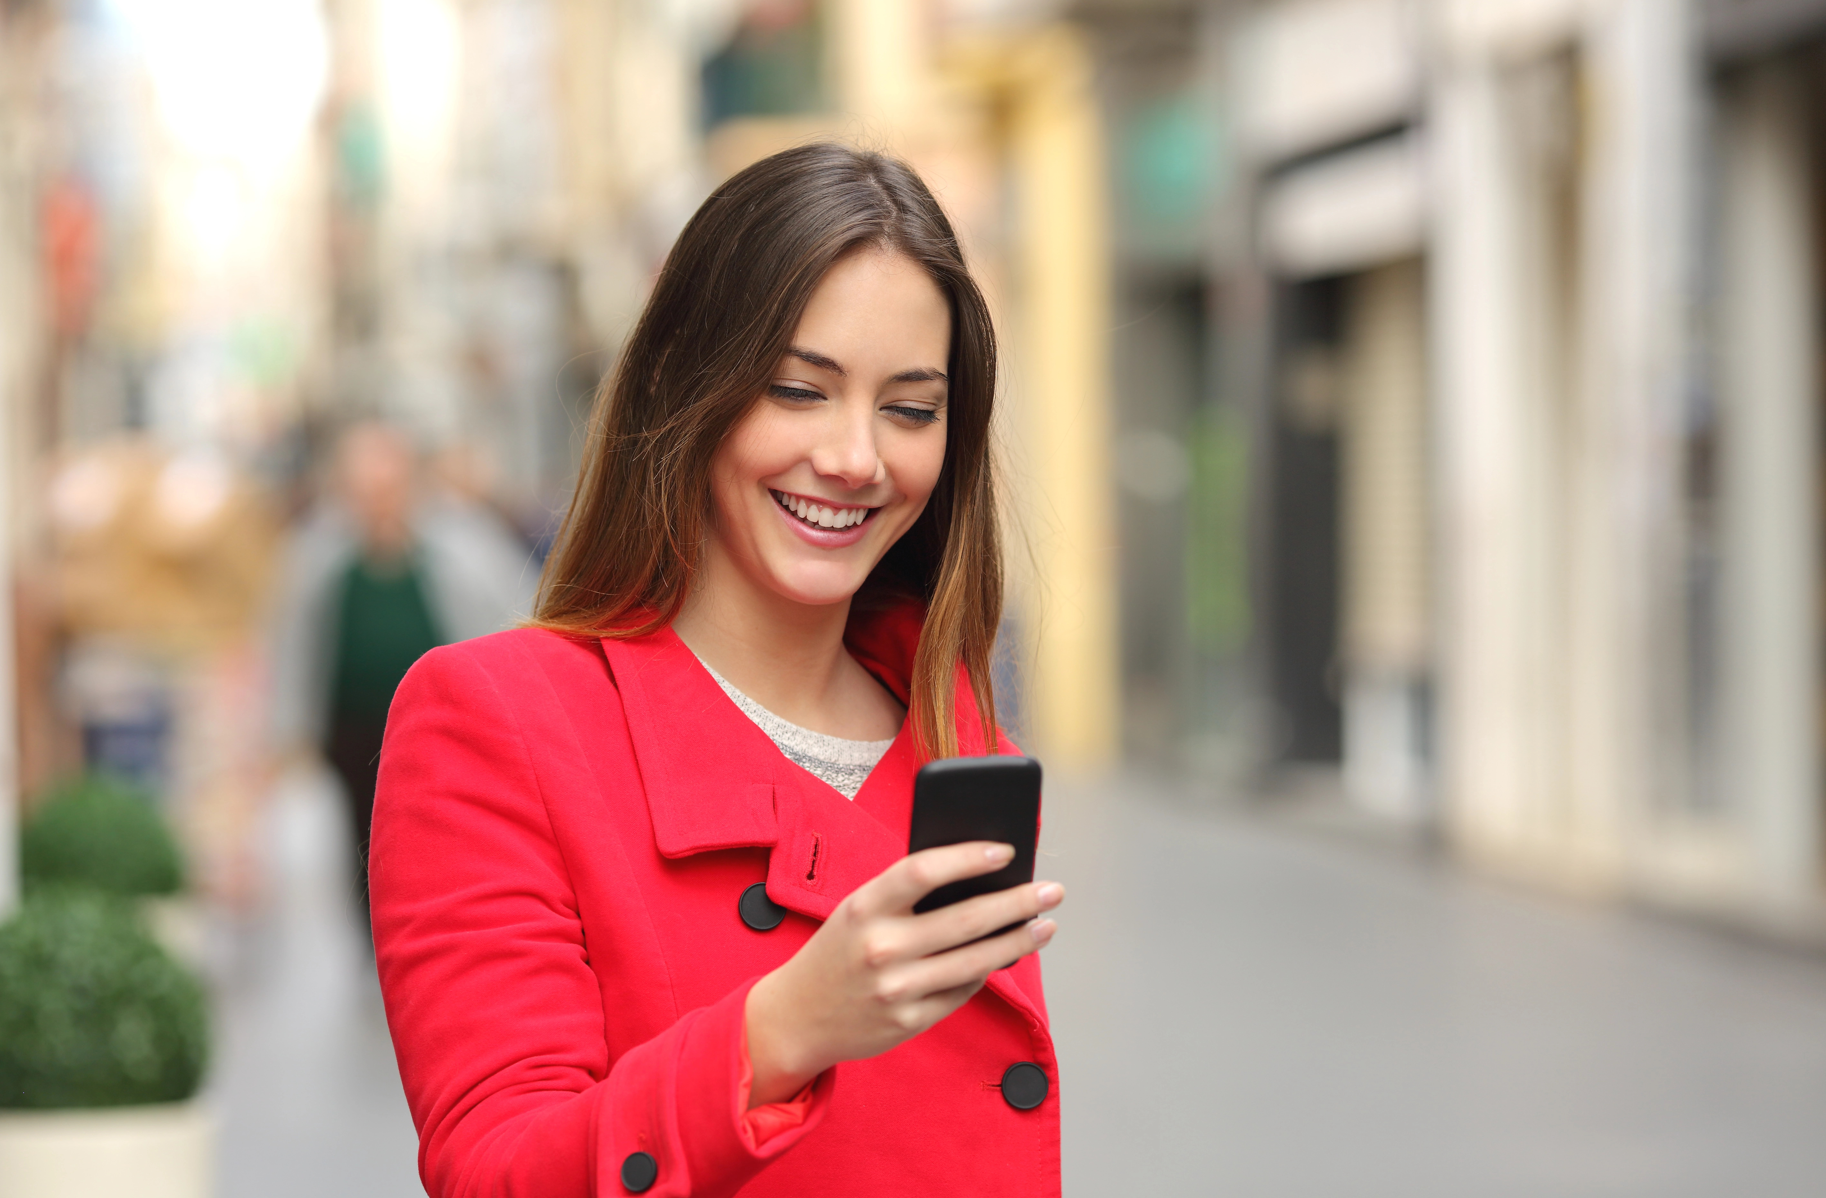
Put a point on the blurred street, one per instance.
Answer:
(1244, 1007)
(1247, 1009)
(305, 1089)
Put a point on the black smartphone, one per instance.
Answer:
(977, 798)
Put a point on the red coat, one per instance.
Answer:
(561, 836)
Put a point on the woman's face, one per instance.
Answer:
(837, 458)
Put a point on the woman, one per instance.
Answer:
(642, 909)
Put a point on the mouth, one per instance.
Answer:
(821, 515)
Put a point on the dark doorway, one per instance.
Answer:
(1302, 549)
(1161, 364)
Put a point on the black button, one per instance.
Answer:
(1024, 1086)
(758, 911)
(639, 1172)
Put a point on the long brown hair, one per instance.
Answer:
(721, 316)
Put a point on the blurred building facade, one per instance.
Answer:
(1421, 392)
(1520, 302)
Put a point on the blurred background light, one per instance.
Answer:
(235, 79)
(419, 47)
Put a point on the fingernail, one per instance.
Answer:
(1049, 894)
(999, 852)
(1043, 930)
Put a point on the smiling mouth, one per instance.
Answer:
(820, 515)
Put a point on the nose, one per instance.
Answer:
(846, 451)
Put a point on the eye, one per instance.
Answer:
(780, 391)
(919, 416)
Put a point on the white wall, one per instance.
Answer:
(1770, 386)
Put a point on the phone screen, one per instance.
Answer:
(977, 798)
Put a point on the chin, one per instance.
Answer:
(818, 586)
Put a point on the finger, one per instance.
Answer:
(944, 1002)
(960, 923)
(918, 1015)
(895, 889)
(972, 963)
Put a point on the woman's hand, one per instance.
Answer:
(876, 975)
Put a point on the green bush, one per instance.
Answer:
(93, 1013)
(99, 832)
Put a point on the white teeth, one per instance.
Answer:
(819, 514)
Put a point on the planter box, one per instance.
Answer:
(165, 1151)
(178, 923)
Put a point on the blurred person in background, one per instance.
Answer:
(381, 572)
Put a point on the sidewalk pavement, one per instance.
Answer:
(1244, 1007)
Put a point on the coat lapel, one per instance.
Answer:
(714, 780)
(708, 782)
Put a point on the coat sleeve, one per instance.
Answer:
(497, 1018)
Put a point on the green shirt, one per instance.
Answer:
(383, 625)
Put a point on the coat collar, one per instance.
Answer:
(714, 780)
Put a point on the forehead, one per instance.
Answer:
(877, 309)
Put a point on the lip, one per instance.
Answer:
(823, 538)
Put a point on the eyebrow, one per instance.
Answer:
(919, 374)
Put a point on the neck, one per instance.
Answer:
(786, 656)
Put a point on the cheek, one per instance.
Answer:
(727, 488)
(746, 454)
(916, 466)
(762, 444)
